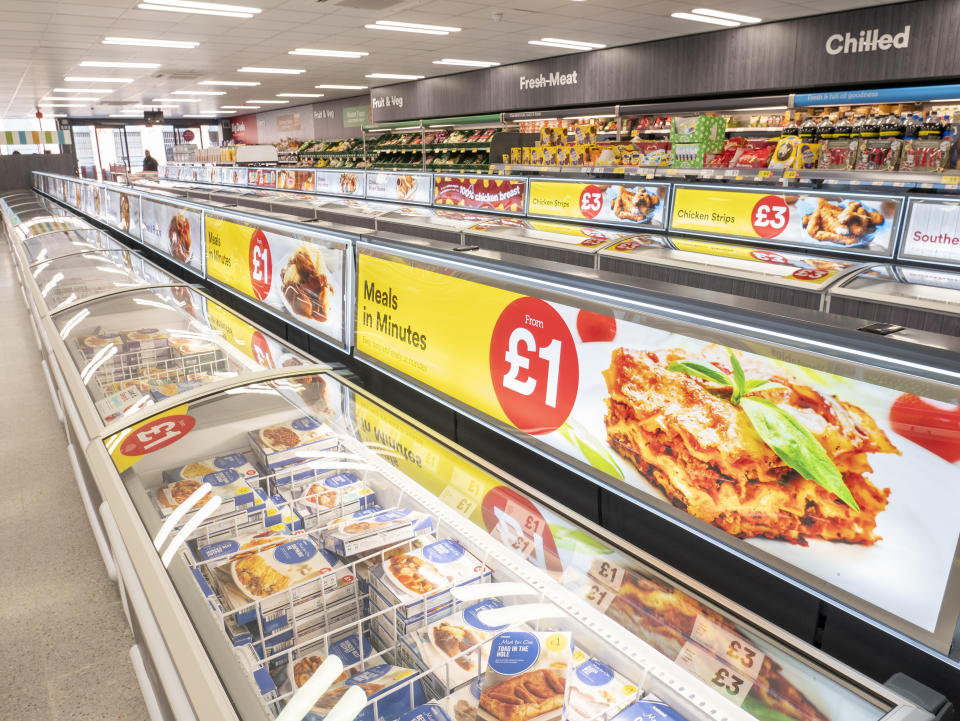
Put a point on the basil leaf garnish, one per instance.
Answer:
(759, 384)
(701, 370)
(796, 446)
(739, 379)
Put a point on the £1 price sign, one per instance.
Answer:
(770, 216)
(261, 265)
(156, 434)
(534, 366)
(260, 350)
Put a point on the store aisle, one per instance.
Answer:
(63, 653)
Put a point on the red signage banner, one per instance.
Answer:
(244, 129)
(505, 195)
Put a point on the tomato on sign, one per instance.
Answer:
(261, 351)
(158, 433)
(770, 216)
(534, 366)
(591, 201)
(261, 265)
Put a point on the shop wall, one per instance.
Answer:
(15, 170)
(912, 41)
(328, 120)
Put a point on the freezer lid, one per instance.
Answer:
(137, 348)
(796, 270)
(70, 279)
(351, 206)
(54, 245)
(339, 431)
(585, 238)
(49, 224)
(937, 290)
(416, 215)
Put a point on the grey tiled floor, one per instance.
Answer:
(63, 636)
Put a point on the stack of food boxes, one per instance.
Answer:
(691, 137)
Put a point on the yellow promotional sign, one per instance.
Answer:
(128, 446)
(558, 199)
(721, 212)
(783, 266)
(413, 320)
(236, 331)
(741, 252)
(228, 251)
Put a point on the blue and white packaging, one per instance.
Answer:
(363, 532)
(299, 441)
(232, 477)
(390, 686)
(649, 709)
(594, 690)
(426, 712)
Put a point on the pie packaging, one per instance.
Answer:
(294, 442)
(145, 339)
(649, 709)
(373, 528)
(594, 690)
(233, 478)
(255, 538)
(389, 686)
(524, 665)
(449, 646)
(419, 580)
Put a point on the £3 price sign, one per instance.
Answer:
(591, 201)
(534, 366)
(261, 265)
(770, 216)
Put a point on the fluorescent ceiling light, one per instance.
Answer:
(74, 97)
(268, 102)
(62, 105)
(154, 105)
(88, 79)
(238, 83)
(208, 114)
(468, 63)
(420, 26)
(705, 19)
(328, 53)
(275, 71)
(148, 43)
(726, 16)
(199, 92)
(393, 76)
(341, 87)
(178, 100)
(78, 90)
(579, 43)
(240, 107)
(299, 95)
(200, 8)
(111, 64)
(557, 45)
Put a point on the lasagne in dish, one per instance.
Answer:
(686, 436)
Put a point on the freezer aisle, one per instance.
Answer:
(65, 639)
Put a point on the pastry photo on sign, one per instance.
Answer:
(526, 677)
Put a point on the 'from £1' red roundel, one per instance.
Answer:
(261, 351)
(591, 201)
(261, 265)
(770, 216)
(156, 434)
(534, 366)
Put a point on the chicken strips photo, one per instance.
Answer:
(834, 224)
(633, 204)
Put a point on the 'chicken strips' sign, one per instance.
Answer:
(612, 203)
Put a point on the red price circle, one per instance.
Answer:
(156, 434)
(591, 201)
(261, 351)
(506, 508)
(188, 135)
(770, 216)
(534, 366)
(261, 265)
(810, 274)
(768, 256)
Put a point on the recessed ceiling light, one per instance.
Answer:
(274, 71)
(341, 87)
(97, 91)
(595, 46)
(412, 28)
(154, 105)
(112, 64)
(328, 53)
(148, 43)
(299, 95)
(568, 46)
(62, 105)
(74, 97)
(468, 63)
(705, 19)
(88, 79)
(726, 16)
(199, 92)
(238, 83)
(178, 100)
(268, 102)
(208, 114)
(393, 76)
(240, 107)
(200, 8)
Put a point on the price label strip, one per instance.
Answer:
(736, 651)
(599, 596)
(726, 680)
(607, 573)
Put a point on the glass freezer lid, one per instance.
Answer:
(70, 279)
(741, 261)
(286, 458)
(351, 206)
(451, 219)
(546, 232)
(56, 245)
(932, 288)
(139, 347)
(50, 224)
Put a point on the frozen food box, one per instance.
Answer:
(389, 685)
(649, 709)
(456, 645)
(350, 649)
(595, 689)
(428, 712)
(585, 133)
(392, 624)
(370, 529)
(145, 339)
(232, 477)
(464, 703)
(420, 579)
(298, 441)
(526, 676)
(301, 630)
